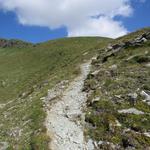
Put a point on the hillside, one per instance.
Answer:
(118, 87)
(76, 93)
(27, 72)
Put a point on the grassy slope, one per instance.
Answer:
(26, 72)
(111, 88)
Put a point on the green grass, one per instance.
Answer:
(112, 86)
(27, 72)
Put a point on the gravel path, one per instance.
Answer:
(65, 119)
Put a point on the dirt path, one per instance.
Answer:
(65, 119)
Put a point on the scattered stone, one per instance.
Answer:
(95, 100)
(107, 145)
(145, 95)
(133, 98)
(3, 83)
(4, 145)
(16, 132)
(131, 111)
(147, 134)
(118, 96)
(2, 106)
(11, 43)
(85, 53)
(130, 58)
(113, 67)
(116, 46)
(90, 145)
(118, 124)
(111, 50)
(147, 65)
(94, 73)
(128, 143)
(64, 120)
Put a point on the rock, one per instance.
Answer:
(116, 46)
(105, 145)
(95, 73)
(128, 44)
(100, 142)
(94, 101)
(94, 61)
(85, 53)
(133, 98)
(111, 50)
(127, 143)
(4, 145)
(131, 111)
(107, 56)
(147, 65)
(113, 67)
(147, 134)
(147, 35)
(90, 145)
(145, 95)
(42, 98)
(118, 124)
(3, 83)
(144, 39)
(11, 43)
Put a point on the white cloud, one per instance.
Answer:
(103, 26)
(75, 15)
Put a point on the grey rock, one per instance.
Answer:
(95, 73)
(90, 145)
(113, 67)
(131, 111)
(146, 95)
(4, 145)
(133, 98)
(147, 65)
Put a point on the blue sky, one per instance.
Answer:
(140, 17)
(14, 25)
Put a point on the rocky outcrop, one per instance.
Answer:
(112, 50)
(12, 43)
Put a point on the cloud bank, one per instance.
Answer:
(80, 17)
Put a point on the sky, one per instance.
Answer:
(41, 20)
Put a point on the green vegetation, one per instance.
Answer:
(122, 74)
(27, 72)
(132, 35)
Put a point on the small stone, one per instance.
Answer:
(131, 111)
(133, 98)
(147, 65)
(42, 98)
(95, 100)
(95, 73)
(85, 53)
(4, 145)
(145, 95)
(90, 145)
(147, 134)
(113, 67)
(118, 124)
